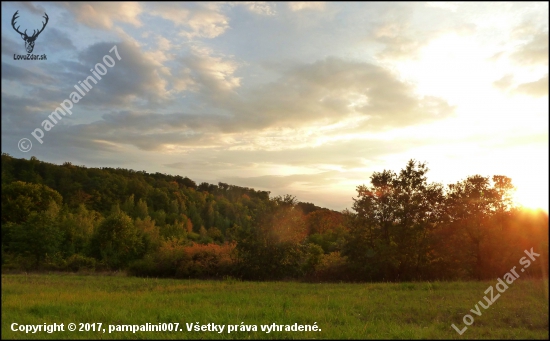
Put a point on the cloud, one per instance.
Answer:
(145, 131)
(284, 181)
(203, 70)
(394, 33)
(534, 51)
(344, 155)
(504, 83)
(134, 79)
(398, 43)
(21, 74)
(450, 6)
(538, 88)
(259, 7)
(36, 9)
(206, 23)
(304, 5)
(104, 14)
(324, 92)
(198, 20)
(330, 90)
(107, 136)
(177, 13)
(54, 40)
(401, 32)
(20, 113)
(11, 47)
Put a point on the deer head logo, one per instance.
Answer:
(29, 41)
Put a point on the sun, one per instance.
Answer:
(532, 198)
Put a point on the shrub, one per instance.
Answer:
(207, 261)
(332, 267)
(79, 262)
(146, 267)
(174, 259)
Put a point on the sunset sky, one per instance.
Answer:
(301, 98)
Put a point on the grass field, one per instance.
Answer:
(349, 311)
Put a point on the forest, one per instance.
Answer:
(400, 228)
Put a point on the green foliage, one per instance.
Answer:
(273, 248)
(39, 236)
(19, 199)
(78, 228)
(314, 254)
(141, 210)
(332, 267)
(331, 240)
(117, 241)
(78, 262)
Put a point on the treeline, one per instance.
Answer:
(73, 218)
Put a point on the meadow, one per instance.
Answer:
(415, 310)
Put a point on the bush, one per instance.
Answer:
(174, 259)
(54, 262)
(332, 267)
(146, 267)
(79, 262)
(164, 263)
(207, 261)
(17, 262)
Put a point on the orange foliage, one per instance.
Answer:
(221, 252)
(332, 267)
(322, 221)
(210, 260)
(288, 225)
(189, 225)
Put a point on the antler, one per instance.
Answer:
(34, 35)
(13, 24)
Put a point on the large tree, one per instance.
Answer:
(396, 215)
(39, 236)
(117, 241)
(271, 248)
(19, 199)
(477, 209)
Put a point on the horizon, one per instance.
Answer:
(307, 99)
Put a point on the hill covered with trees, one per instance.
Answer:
(71, 218)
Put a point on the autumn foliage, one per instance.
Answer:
(401, 227)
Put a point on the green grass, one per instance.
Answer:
(349, 311)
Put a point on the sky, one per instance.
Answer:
(307, 99)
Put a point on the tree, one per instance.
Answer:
(39, 235)
(390, 234)
(117, 241)
(477, 209)
(129, 206)
(272, 247)
(322, 221)
(19, 199)
(141, 210)
(78, 228)
(327, 229)
(149, 232)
